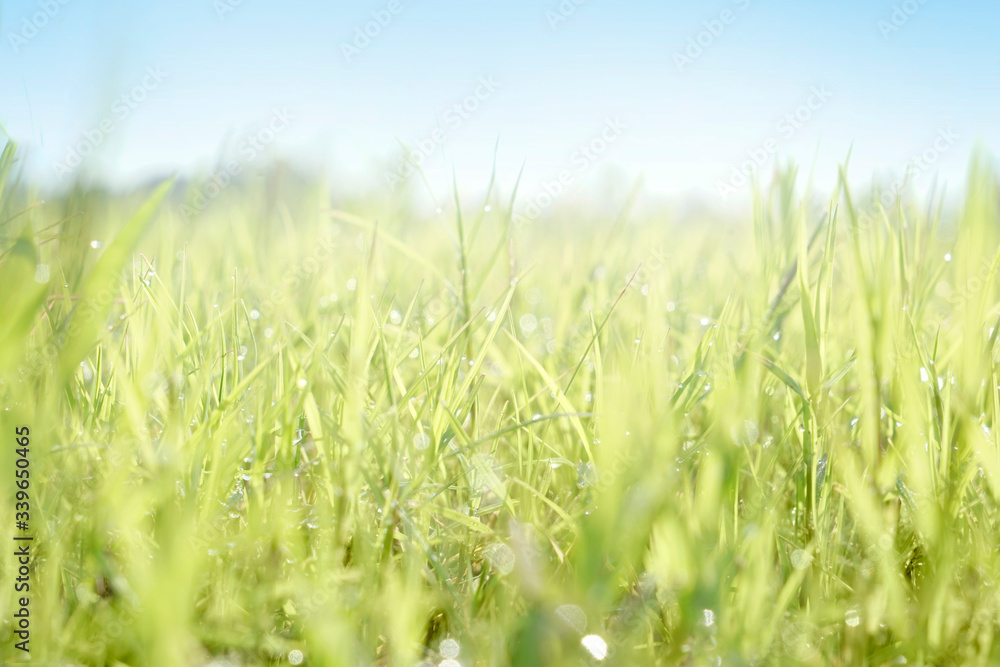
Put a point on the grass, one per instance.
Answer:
(277, 430)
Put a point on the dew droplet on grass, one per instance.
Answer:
(449, 648)
(573, 616)
(596, 646)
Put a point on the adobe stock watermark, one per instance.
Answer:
(585, 156)
(650, 266)
(32, 25)
(248, 150)
(121, 109)
(224, 7)
(712, 30)
(785, 129)
(456, 115)
(302, 272)
(901, 15)
(915, 167)
(365, 34)
(956, 300)
(562, 13)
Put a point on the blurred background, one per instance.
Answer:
(686, 99)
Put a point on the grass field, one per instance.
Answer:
(278, 430)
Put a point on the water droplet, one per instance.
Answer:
(295, 657)
(801, 559)
(500, 557)
(596, 646)
(449, 648)
(95, 244)
(574, 617)
(421, 441)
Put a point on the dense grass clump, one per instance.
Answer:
(275, 430)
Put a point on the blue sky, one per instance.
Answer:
(888, 77)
